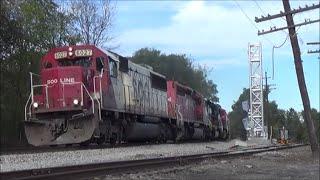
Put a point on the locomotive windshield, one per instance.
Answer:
(83, 61)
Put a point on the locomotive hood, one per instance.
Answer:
(64, 87)
(58, 76)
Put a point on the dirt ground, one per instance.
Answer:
(296, 163)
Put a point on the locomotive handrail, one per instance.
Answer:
(46, 88)
(71, 83)
(25, 107)
(99, 105)
(94, 87)
(101, 99)
(32, 86)
(31, 96)
(95, 94)
(86, 90)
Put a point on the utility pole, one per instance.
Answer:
(298, 66)
(266, 105)
(267, 120)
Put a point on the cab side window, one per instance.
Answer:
(113, 68)
(47, 65)
(99, 63)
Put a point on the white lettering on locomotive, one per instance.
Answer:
(67, 80)
(60, 55)
(62, 80)
(83, 52)
(52, 81)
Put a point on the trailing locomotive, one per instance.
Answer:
(87, 94)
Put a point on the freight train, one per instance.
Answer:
(85, 94)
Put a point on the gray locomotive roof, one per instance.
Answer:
(113, 55)
(116, 56)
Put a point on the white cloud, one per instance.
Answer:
(196, 29)
(210, 29)
(206, 28)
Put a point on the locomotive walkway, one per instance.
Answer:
(125, 165)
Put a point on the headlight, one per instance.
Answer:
(75, 101)
(35, 105)
(70, 53)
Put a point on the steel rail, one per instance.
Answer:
(60, 172)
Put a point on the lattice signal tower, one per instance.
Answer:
(257, 128)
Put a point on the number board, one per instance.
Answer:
(60, 55)
(83, 52)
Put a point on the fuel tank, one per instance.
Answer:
(140, 131)
(198, 134)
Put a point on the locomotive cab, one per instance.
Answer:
(66, 82)
(64, 103)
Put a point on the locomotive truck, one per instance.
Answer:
(86, 94)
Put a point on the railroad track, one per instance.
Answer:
(78, 170)
(74, 147)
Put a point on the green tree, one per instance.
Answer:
(293, 124)
(278, 118)
(179, 68)
(237, 129)
(28, 29)
(315, 115)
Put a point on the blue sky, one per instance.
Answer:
(216, 34)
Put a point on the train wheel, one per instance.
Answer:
(113, 139)
(165, 138)
(224, 134)
(162, 139)
(216, 134)
(180, 133)
(101, 140)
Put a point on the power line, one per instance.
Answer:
(252, 23)
(264, 13)
(279, 46)
(274, 47)
(298, 65)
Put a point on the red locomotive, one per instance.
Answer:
(87, 94)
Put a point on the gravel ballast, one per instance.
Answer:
(296, 163)
(17, 162)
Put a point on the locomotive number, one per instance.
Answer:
(60, 55)
(52, 81)
(83, 52)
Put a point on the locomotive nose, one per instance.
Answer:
(66, 88)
